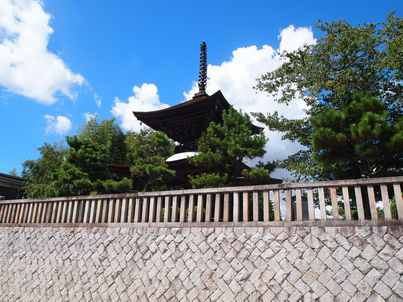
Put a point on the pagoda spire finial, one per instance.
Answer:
(202, 70)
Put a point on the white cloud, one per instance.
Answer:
(26, 66)
(98, 100)
(236, 78)
(57, 124)
(293, 38)
(145, 98)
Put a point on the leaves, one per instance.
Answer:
(223, 147)
(147, 152)
(346, 62)
(360, 134)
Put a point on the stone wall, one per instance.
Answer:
(134, 263)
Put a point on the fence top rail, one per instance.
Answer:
(282, 186)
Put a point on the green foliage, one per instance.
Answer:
(108, 134)
(223, 147)
(258, 175)
(82, 167)
(113, 186)
(70, 180)
(209, 180)
(330, 76)
(41, 172)
(147, 152)
(362, 134)
(13, 172)
(89, 156)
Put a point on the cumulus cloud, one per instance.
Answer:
(57, 124)
(292, 38)
(236, 78)
(145, 98)
(26, 66)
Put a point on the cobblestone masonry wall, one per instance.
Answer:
(128, 263)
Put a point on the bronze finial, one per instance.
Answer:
(202, 70)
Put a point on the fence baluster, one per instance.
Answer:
(98, 211)
(298, 200)
(130, 208)
(182, 209)
(277, 214)
(123, 216)
(217, 207)
(372, 202)
(358, 199)
(166, 208)
(386, 203)
(34, 212)
(14, 209)
(399, 200)
(137, 210)
(110, 210)
(335, 206)
(347, 207)
(174, 217)
(159, 207)
(208, 208)
(145, 209)
(255, 200)
(288, 205)
(59, 211)
(151, 214)
(199, 207)
(266, 206)
(104, 211)
(245, 206)
(21, 213)
(226, 208)
(75, 212)
(322, 205)
(190, 210)
(311, 209)
(235, 210)
(118, 209)
(87, 211)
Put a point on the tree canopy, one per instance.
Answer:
(223, 147)
(40, 173)
(81, 167)
(351, 82)
(147, 153)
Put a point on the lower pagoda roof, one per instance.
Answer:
(186, 121)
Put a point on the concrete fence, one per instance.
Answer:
(331, 200)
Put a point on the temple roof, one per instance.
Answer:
(186, 121)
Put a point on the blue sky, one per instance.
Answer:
(61, 61)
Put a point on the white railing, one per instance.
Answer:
(347, 200)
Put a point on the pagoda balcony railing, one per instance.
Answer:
(342, 201)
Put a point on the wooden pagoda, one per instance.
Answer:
(185, 122)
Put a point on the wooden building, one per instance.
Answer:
(11, 187)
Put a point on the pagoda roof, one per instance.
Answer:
(185, 122)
